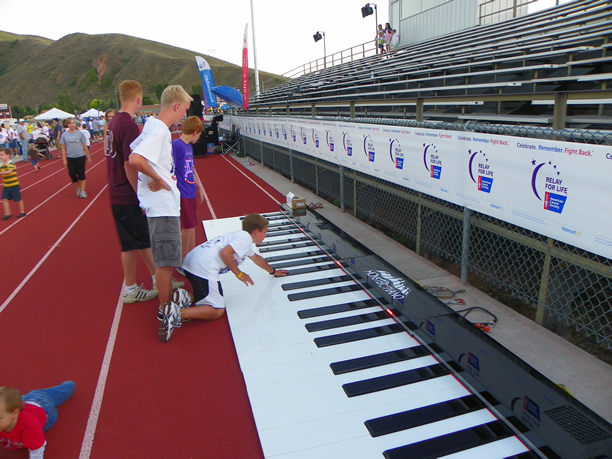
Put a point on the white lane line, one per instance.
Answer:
(96, 405)
(212, 212)
(254, 182)
(42, 260)
(30, 211)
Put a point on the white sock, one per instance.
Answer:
(131, 288)
(153, 277)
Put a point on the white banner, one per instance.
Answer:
(559, 189)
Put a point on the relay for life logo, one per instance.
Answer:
(484, 173)
(368, 148)
(396, 153)
(303, 135)
(315, 137)
(548, 186)
(432, 161)
(347, 143)
(329, 138)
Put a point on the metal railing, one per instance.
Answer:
(556, 284)
(346, 55)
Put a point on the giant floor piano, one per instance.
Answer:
(347, 358)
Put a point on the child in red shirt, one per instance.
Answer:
(24, 419)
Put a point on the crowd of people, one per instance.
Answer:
(154, 189)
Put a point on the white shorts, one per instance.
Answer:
(206, 292)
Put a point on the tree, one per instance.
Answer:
(95, 103)
(146, 100)
(197, 89)
(65, 103)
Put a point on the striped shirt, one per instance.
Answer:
(9, 180)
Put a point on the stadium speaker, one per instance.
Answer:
(218, 118)
(366, 10)
(195, 108)
(317, 36)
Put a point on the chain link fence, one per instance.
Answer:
(559, 285)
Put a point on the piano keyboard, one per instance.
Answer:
(329, 372)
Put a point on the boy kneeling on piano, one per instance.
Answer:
(202, 267)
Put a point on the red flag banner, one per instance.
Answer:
(245, 70)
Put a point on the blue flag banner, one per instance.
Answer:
(207, 83)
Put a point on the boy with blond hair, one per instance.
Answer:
(158, 193)
(131, 224)
(187, 180)
(24, 419)
(204, 264)
(10, 190)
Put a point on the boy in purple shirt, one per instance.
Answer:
(187, 180)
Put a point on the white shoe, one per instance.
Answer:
(139, 294)
(172, 320)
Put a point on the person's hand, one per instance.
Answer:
(244, 277)
(201, 194)
(65, 162)
(280, 273)
(156, 185)
(89, 159)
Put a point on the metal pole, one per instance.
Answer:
(342, 188)
(465, 245)
(255, 51)
(324, 52)
(291, 165)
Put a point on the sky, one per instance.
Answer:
(284, 29)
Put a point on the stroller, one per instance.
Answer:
(42, 147)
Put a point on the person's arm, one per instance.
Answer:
(38, 453)
(141, 165)
(199, 186)
(85, 149)
(64, 160)
(132, 174)
(227, 256)
(263, 264)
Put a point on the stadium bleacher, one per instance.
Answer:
(509, 72)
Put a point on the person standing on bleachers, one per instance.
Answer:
(387, 37)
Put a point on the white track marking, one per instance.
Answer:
(254, 182)
(53, 247)
(96, 405)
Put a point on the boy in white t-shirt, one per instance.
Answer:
(202, 267)
(157, 191)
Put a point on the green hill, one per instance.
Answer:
(79, 68)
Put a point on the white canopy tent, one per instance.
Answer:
(54, 113)
(92, 112)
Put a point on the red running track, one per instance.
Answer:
(61, 318)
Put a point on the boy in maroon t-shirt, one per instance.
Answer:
(131, 223)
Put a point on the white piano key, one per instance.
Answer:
(250, 359)
(495, 450)
(365, 407)
(347, 427)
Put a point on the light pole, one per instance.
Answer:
(366, 11)
(317, 37)
(254, 51)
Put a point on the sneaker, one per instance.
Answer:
(181, 298)
(175, 284)
(22, 214)
(83, 195)
(6, 217)
(139, 294)
(78, 192)
(172, 320)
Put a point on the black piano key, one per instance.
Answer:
(377, 360)
(346, 321)
(287, 232)
(286, 246)
(312, 269)
(357, 335)
(323, 292)
(403, 378)
(452, 443)
(294, 256)
(309, 261)
(315, 282)
(336, 308)
(424, 415)
(279, 242)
